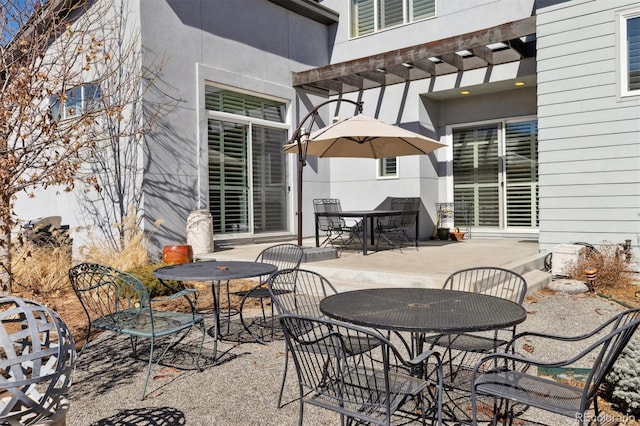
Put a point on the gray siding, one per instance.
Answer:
(589, 136)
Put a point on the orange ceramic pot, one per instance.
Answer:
(174, 255)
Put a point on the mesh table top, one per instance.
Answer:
(421, 310)
(214, 270)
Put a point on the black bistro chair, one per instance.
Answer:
(284, 256)
(337, 231)
(393, 229)
(513, 378)
(364, 386)
(494, 281)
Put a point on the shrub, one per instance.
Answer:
(153, 285)
(613, 268)
(130, 253)
(623, 382)
(42, 268)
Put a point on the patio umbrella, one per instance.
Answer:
(364, 137)
(356, 137)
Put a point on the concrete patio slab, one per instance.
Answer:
(427, 266)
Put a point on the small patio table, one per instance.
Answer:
(365, 215)
(217, 272)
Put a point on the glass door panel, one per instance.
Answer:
(269, 179)
(521, 173)
(476, 172)
(228, 176)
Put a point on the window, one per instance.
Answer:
(369, 16)
(388, 167)
(631, 53)
(76, 101)
(247, 179)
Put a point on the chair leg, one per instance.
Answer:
(284, 378)
(146, 381)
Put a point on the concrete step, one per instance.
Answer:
(349, 279)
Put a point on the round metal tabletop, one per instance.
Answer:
(421, 310)
(216, 270)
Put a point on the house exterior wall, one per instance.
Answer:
(589, 153)
(589, 144)
(249, 45)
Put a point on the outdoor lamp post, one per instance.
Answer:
(299, 134)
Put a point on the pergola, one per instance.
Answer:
(508, 42)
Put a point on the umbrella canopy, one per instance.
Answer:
(364, 137)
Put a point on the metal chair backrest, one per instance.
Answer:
(334, 374)
(490, 280)
(328, 205)
(284, 256)
(408, 206)
(299, 291)
(623, 326)
(104, 292)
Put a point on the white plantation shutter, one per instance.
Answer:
(228, 176)
(269, 196)
(475, 173)
(521, 172)
(369, 16)
(362, 17)
(230, 168)
(421, 9)
(390, 13)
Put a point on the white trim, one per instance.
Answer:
(623, 59)
(387, 177)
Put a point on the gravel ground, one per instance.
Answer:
(243, 388)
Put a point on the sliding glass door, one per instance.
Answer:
(246, 168)
(495, 170)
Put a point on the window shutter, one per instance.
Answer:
(521, 171)
(475, 173)
(390, 13)
(363, 17)
(423, 9)
(633, 53)
(269, 189)
(246, 105)
(228, 174)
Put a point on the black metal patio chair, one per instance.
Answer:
(364, 386)
(393, 229)
(118, 302)
(284, 256)
(493, 281)
(298, 292)
(514, 378)
(337, 231)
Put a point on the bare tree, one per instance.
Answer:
(53, 64)
(115, 169)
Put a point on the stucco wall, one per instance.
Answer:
(250, 45)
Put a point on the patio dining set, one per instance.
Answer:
(451, 354)
(367, 228)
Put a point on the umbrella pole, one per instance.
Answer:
(302, 155)
(300, 169)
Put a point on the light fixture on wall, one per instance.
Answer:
(519, 83)
(464, 92)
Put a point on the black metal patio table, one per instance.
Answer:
(423, 310)
(366, 215)
(217, 272)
